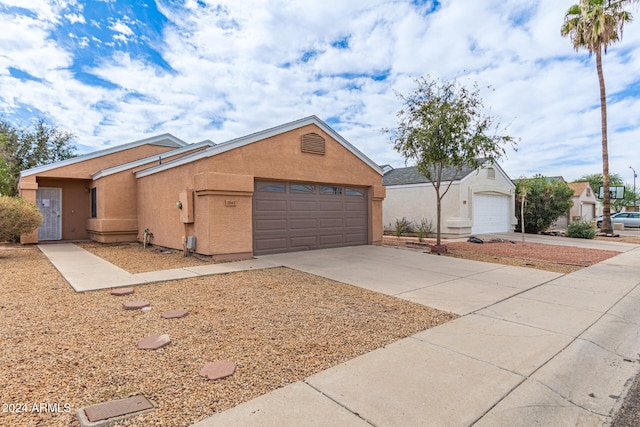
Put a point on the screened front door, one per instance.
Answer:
(49, 201)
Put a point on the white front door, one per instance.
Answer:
(49, 201)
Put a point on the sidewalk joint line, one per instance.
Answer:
(338, 403)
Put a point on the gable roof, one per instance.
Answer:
(166, 140)
(149, 159)
(258, 136)
(579, 187)
(410, 175)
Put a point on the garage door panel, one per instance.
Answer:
(331, 240)
(330, 222)
(354, 239)
(303, 242)
(292, 220)
(331, 206)
(270, 224)
(271, 205)
(354, 207)
(264, 245)
(303, 223)
(353, 222)
(302, 206)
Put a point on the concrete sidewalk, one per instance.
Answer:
(563, 351)
(87, 272)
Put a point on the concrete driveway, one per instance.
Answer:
(532, 348)
(449, 284)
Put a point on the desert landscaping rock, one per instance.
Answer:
(135, 305)
(154, 342)
(218, 369)
(174, 314)
(122, 291)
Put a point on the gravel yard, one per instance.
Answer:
(278, 325)
(556, 258)
(559, 259)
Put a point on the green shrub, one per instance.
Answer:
(547, 199)
(425, 228)
(402, 226)
(17, 216)
(581, 230)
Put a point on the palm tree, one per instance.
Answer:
(594, 25)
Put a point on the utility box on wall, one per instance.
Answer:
(186, 211)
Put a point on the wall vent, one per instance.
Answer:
(313, 143)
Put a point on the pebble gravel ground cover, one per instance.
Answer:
(61, 350)
(559, 259)
(556, 258)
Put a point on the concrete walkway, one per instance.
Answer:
(557, 351)
(87, 272)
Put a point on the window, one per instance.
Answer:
(303, 188)
(588, 192)
(327, 189)
(491, 173)
(354, 191)
(94, 203)
(275, 187)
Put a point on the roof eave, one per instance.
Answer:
(165, 139)
(258, 136)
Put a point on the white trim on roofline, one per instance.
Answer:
(421, 184)
(504, 174)
(141, 162)
(166, 139)
(486, 165)
(258, 136)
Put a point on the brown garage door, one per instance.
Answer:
(291, 217)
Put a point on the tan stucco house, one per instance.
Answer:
(294, 187)
(480, 201)
(584, 205)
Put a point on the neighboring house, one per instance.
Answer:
(293, 187)
(480, 201)
(584, 205)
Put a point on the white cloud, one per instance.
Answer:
(239, 67)
(75, 18)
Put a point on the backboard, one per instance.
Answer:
(615, 192)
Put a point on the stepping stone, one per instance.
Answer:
(218, 369)
(153, 342)
(114, 411)
(135, 305)
(175, 314)
(122, 291)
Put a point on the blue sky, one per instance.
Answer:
(114, 71)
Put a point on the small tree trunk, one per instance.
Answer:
(522, 216)
(438, 215)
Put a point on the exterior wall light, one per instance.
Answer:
(179, 205)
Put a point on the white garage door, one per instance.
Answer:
(491, 214)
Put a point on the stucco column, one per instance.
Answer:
(224, 214)
(27, 191)
(378, 193)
